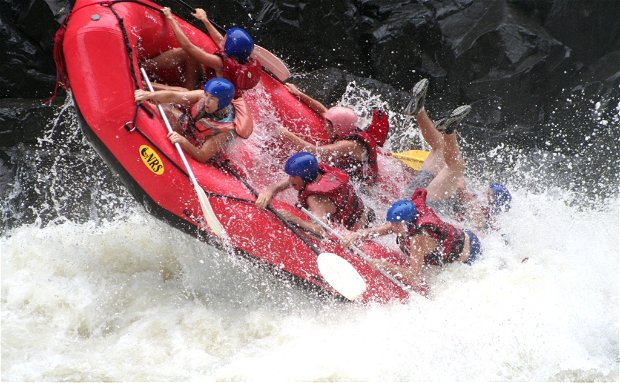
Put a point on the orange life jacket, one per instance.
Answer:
(198, 125)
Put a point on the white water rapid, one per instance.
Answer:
(120, 296)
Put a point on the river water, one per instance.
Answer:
(96, 289)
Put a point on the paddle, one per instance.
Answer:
(269, 61)
(360, 253)
(212, 220)
(341, 275)
(412, 158)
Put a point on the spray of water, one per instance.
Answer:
(94, 288)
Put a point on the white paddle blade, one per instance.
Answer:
(341, 275)
(209, 214)
(272, 62)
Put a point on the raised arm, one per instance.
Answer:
(217, 37)
(208, 59)
(339, 148)
(313, 104)
(183, 98)
(298, 142)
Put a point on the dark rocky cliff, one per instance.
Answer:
(541, 75)
(516, 61)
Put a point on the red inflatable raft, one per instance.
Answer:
(102, 46)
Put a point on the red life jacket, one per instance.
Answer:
(334, 185)
(243, 76)
(450, 239)
(198, 126)
(379, 127)
(371, 138)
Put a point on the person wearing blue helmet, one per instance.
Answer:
(324, 190)
(205, 122)
(233, 60)
(499, 198)
(423, 237)
(442, 172)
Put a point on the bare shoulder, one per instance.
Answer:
(321, 204)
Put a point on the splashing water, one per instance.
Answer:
(94, 289)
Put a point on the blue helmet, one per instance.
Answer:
(403, 210)
(502, 198)
(239, 44)
(221, 88)
(304, 165)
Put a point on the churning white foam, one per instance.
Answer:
(136, 300)
(132, 299)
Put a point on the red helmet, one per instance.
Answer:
(343, 120)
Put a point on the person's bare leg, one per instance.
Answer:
(434, 162)
(452, 153)
(170, 59)
(447, 127)
(447, 181)
(193, 72)
(188, 69)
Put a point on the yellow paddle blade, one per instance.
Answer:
(412, 158)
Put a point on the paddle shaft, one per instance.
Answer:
(167, 123)
(205, 205)
(271, 209)
(357, 251)
(192, 9)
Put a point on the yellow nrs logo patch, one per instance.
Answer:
(151, 160)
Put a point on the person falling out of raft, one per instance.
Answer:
(423, 237)
(232, 61)
(206, 121)
(442, 171)
(352, 149)
(322, 189)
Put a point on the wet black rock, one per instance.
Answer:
(27, 31)
(22, 120)
(540, 74)
(514, 60)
